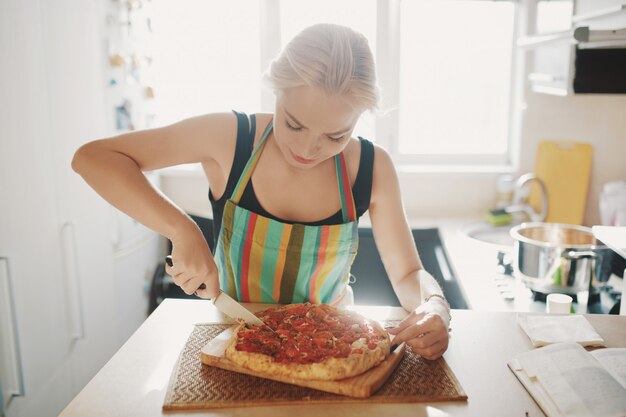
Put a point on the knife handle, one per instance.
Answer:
(170, 262)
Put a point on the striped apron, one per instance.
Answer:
(262, 260)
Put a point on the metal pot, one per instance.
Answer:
(562, 258)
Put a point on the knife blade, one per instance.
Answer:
(228, 305)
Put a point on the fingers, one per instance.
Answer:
(427, 346)
(425, 334)
(431, 352)
(188, 283)
(419, 335)
(414, 318)
(408, 321)
(193, 281)
(211, 290)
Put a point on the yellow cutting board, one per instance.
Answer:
(565, 168)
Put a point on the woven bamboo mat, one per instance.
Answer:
(194, 386)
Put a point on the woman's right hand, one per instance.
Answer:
(193, 264)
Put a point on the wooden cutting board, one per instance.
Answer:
(565, 168)
(360, 386)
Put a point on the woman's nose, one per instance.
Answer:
(310, 147)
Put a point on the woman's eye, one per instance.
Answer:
(334, 139)
(294, 128)
(297, 129)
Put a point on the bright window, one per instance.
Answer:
(455, 78)
(206, 57)
(444, 66)
(554, 16)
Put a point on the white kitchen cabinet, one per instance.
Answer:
(567, 31)
(74, 299)
(29, 232)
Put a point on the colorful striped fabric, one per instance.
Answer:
(266, 261)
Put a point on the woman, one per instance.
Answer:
(272, 178)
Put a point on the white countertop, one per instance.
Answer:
(133, 383)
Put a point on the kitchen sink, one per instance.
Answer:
(488, 233)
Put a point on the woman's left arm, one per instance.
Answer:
(425, 329)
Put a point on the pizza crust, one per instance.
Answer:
(328, 370)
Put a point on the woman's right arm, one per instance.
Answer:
(114, 167)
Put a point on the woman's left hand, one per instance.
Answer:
(425, 331)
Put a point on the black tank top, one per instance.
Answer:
(361, 190)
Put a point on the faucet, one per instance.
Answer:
(518, 204)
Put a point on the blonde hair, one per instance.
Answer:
(334, 58)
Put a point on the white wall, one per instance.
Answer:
(596, 119)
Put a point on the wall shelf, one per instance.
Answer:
(581, 36)
(586, 57)
(599, 14)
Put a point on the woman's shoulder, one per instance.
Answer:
(230, 123)
(263, 117)
(384, 174)
(261, 121)
(361, 148)
(383, 164)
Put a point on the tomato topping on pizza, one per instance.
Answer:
(309, 333)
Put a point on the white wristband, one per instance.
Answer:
(445, 302)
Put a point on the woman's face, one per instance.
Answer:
(310, 126)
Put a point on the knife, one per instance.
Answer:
(228, 305)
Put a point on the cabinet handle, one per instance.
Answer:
(13, 378)
(72, 281)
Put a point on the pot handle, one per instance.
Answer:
(581, 254)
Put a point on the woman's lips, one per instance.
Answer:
(301, 159)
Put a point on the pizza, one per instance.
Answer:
(309, 341)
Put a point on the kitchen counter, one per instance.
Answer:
(483, 284)
(133, 383)
(475, 266)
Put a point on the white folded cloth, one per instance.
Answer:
(546, 329)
